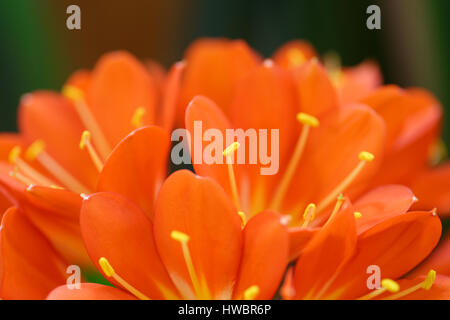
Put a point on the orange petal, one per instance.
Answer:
(294, 54)
(265, 255)
(136, 166)
(381, 204)
(214, 67)
(298, 239)
(120, 84)
(199, 208)
(171, 96)
(89, 291)
(439, 260)
(395, 246)
(324, 255)
(52, 118)
(116, 229)
(333, 152)
(80, 79)
(29, 266)
(359, 81)
(412, 120)
(211, 117)
(432, 187)
(316, 93)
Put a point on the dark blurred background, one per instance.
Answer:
(38, 51)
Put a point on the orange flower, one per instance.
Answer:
(66, 140)
(339, 262)
(194, 248)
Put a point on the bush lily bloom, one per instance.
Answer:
(195, 247)
(336, 263)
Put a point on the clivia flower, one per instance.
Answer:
(195, 247)
(346, 262)
(65, 140)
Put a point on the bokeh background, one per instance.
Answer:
(37, 51)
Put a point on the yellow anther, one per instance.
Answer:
(231, 149)
(358, 215)
(428, 283)
(308, 120)
(390, 285)
(366, 156)
(251, 293)
(34, 150)
(309, 214)
(179, 236)
(57, 187)
(14, 154)
(296, 57)
(136, 120)
(73, 93)
(85, 138)
(106, 267)
(243, 218)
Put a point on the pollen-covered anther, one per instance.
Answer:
(179, 236)
(138, 116)
(308, 119)
(109, 271)
(243, 217)
(366, 156)
(231, 149)
(14, 154)
(357, 215)
(390, 285)
(72, 93)
(429, 280)
(309, 214)
(34, 150)
(251, 293)
(296, 57)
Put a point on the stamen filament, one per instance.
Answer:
(110, 272)
(228, 152)
(364, 157)
(16, 174)
(88, 119)
(136, 120)
(426, 285)
(308, 121)
(183, 239)
(243, 218)
(386, 285)
(85, 142)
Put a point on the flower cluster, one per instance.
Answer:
(88, 181)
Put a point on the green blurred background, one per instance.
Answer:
(37, 51)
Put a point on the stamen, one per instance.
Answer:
(340, 200)
(386, 285)
(136, 120)
(296, 57)
(29, 173)
(243, 218)
(110, 272)
(17, 175)
(251, 293)
(88, 119)
(358, 215)
(85, 142)
(228, 153)
(426, 285)
(364, 157)
(309, 214)
(308, 121)
(183, 239)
